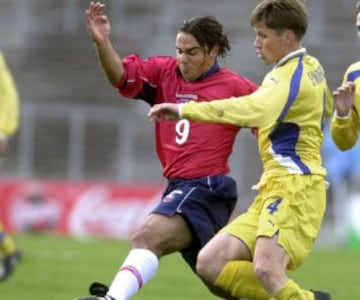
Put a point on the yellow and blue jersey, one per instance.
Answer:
(289, 110)
(9, 101)
(345, 131)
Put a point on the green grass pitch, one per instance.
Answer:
(59, 268)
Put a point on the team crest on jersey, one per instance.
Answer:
(170, 197)
(183, 98)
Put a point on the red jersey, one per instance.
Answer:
(186, 149)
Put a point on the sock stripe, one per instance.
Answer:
(135, 272)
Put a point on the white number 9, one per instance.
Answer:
(182, 128)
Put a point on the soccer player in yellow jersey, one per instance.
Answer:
(251, 255)
(345, 124)
(9, 116)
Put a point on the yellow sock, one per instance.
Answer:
(309, 295)
(7, 244)
(292, 291)
(238, 277)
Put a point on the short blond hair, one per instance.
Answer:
(282, 15)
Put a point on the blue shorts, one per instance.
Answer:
(206, 204)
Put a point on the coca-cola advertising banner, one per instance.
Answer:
(76, 208)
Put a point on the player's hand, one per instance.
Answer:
(344, 99)
(164, 112)
(97, 22)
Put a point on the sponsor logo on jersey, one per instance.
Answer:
(183, 98)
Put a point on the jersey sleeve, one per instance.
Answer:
(344, 132)
(140, 78)
(329, 104)
(9, 104)
(255, 110)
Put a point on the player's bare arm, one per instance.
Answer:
(99, 29)
(164, 112)
(344, 99)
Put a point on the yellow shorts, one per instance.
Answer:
(292, 206)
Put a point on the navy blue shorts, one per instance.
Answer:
(206, 204)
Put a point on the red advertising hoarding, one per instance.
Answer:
(76, 208)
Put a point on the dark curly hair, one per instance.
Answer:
(209, 33)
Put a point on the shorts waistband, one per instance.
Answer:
(204, 179)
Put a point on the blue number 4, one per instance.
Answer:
(272, 207)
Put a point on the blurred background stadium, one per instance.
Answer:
(75, 127)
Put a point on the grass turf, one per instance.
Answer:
(59, 268)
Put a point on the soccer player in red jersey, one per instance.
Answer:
(200, 197)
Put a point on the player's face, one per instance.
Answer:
(358, 24)
(193, 60)
(270, 45)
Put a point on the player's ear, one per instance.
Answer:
(214, 51)
(289, 36)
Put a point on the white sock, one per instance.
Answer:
(138, 268)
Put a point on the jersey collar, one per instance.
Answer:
(215, 68)
(291, 55)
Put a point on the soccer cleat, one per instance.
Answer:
(98, 289)
(319, 295)
(98, 292)
(107, 297)
(9, 263)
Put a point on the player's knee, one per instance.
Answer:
(202, 266)
(146, 239)
(207, 266)
(271, 276)
(261, 272)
